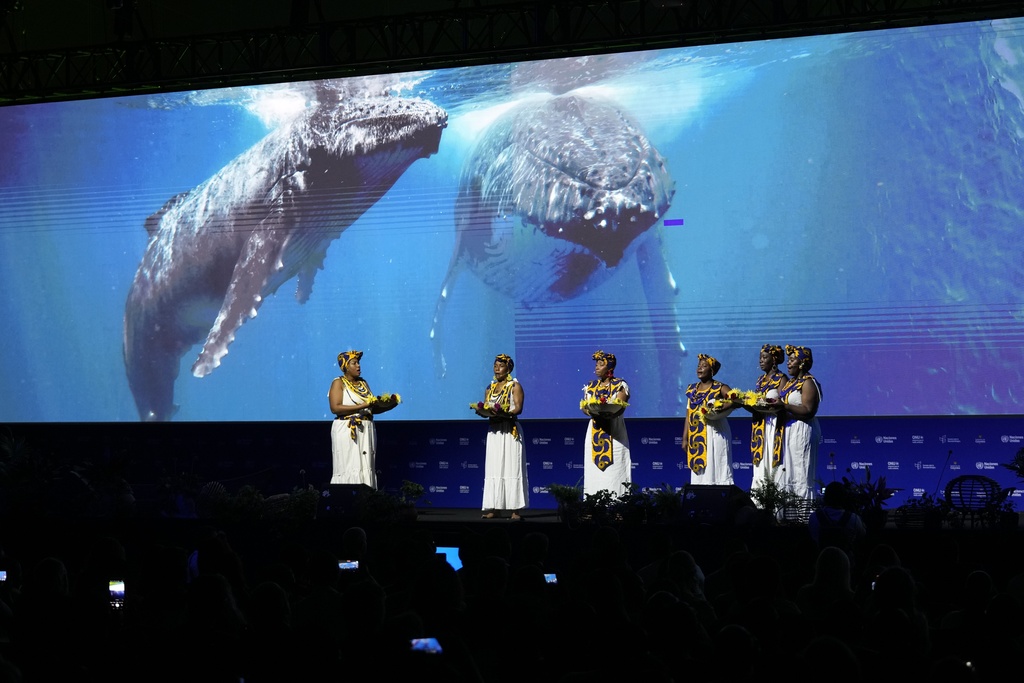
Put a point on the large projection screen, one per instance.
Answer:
(861, 194)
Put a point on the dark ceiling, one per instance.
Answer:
(33, 25)
(66, 49)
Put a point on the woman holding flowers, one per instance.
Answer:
(765, 457)
(505, 482)
(706, 434)
(799, 425)
(606, 464)
(353, 436)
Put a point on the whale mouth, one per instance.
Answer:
(578, 170)
(605, 233)
(543, 262)
(217, 251)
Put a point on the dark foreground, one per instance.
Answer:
(265, 600)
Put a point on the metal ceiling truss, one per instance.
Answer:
(464, 36)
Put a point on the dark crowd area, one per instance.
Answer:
(258, 602)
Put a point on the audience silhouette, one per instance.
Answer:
(666, 604)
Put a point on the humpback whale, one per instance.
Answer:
(216, 251)
(553, 199)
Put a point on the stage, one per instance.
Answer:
(162, 463)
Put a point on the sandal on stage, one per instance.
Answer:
(515, 517)
(487, 515)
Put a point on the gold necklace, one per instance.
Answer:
(501, 395)
(358, 387)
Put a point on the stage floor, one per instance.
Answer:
(431, 515)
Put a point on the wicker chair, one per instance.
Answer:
(798, 511)
(976, 497)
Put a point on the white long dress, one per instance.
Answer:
(719, 455)
(766, 469)
(717, 438)
(354, 458)
(614, 477)
(800, 447)
(506, 486)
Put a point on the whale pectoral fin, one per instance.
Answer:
(151, 358)
(260, 258)
(304, 283)
(658, 282)
(660, 291)
(437, 324)
(152, 223)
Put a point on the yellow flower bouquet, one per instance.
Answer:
(743, 398)
(603, 407)
(384, 402)
(722, 407)
(488, 409)
(735, 398)
(717, 409)
(762, 402)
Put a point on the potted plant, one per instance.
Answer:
(247, 504)
(1001, 514)
(772, 498)
(377, 506)
(1008, 516)
(632, 506)
(409, 493)
(303, 503)
(926, 511)
(666, 503)
(1016, 465)
(869, 498)
(603, 507)
(569, 500)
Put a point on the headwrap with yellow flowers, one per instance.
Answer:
(346, 357)
(775, 351)
(802, 354)
(711, 361)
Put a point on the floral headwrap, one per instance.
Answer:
(507, 359)
(775, 351)
(609, 358)
(346, 357)
(802, 354)
(711, 361)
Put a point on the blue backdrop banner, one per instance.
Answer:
(915, 454)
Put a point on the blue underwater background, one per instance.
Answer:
(859, 194)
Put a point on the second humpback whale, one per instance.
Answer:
(553, 199)
(216, 251)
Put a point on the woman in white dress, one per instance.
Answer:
(707, 438)
(801, 432)
(353, 435)
(606, 462)
(506, 487)
(763, 454)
